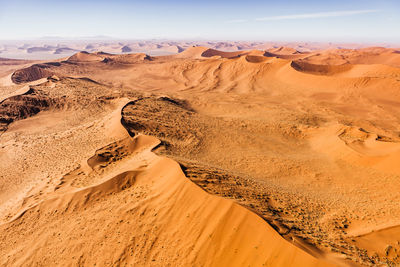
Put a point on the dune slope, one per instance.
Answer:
(145, 212)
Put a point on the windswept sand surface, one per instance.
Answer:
(203, 158)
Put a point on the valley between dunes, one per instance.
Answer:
(202, 158)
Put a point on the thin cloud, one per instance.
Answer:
(236, 21)
(319, 15)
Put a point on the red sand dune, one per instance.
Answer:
(204, 158)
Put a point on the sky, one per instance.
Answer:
(278, 20)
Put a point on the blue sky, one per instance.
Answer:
(308, 20)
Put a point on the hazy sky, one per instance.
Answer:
(307, 20)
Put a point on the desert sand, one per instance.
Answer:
(207, 157)
(40, 49)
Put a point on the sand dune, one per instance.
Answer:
(192, 52)
(84, 57)
(127, 59)
(371, 55)
(319, 68)
(213, 52)
(294, 156)
(8, 66)
(169, 209)
(30, 74)
(127, 169)
(54, 49)
(285, 52)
